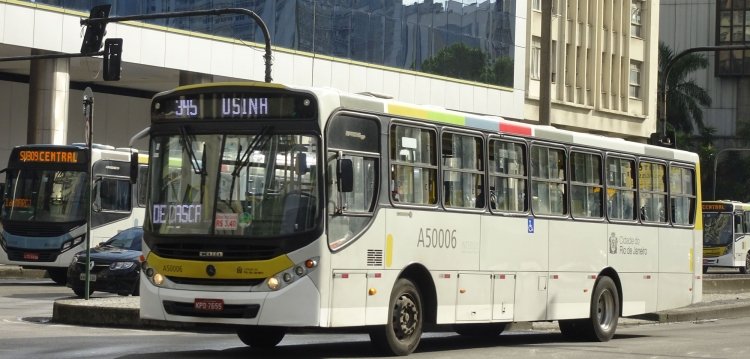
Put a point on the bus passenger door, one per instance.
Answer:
(474, 297)
(503, 296)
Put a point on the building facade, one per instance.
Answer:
(686, 24)
(604, 65)
(468, 55)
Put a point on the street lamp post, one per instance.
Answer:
(716, 163)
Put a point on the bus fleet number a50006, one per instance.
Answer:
(436, 238)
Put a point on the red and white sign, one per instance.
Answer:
(226, 221)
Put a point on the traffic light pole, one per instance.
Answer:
(167, 15)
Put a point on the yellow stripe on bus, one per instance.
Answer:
(224, 270)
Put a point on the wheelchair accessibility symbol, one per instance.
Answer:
(531, 225)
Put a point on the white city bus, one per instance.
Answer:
(275, 208)
(726, 235)
(45, 200)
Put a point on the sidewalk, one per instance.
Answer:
(16, 272)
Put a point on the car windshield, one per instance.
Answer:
(251, 185)
(35, 195)
(717, 229)
(127, 239)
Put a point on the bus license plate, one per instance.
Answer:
(92, 277)
(208, 305)
(31, 256)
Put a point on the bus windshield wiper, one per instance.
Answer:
(187, 144)
(258, 142)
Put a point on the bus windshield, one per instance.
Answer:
(717, 229)
(35, 195)
(252, 185)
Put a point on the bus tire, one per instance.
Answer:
(261, 337)
(604, 313)
(484, 330)
(401, 335)
(746, 268)
(58, 275)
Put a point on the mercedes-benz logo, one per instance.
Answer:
(210, 270)
(91, 265)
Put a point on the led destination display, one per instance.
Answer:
(233, 105)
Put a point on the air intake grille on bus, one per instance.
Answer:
(233, 252)
(374, 257)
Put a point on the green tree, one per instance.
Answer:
(684, 97)
(457, 61)
(467, 63)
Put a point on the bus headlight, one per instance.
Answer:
(289, 276)
(72, 243)
(158, 279)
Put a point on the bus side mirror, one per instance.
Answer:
(133, 167)
(345, 175)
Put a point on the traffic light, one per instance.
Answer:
(112, 59)
(92, 39)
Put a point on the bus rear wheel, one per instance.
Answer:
(58, 275)
(603, 315)
(261, 337)
(746, 268)
(401, 335)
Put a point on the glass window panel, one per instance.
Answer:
(375, 44)
(360, 34)
(394, 45)
(342, 30)
(725, 18)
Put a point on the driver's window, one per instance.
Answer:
(356, 139)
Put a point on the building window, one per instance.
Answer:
(536, 5)
(536, 55)
(732, 28)
(635, 18)
(553, 62)
(635, 79)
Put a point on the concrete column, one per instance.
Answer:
(190, 78)
(49, 91)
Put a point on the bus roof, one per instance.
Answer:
(381, 104)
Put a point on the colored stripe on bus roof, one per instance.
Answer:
(408, 111)
(487, 124)
(515, 129)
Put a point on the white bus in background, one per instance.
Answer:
(275, 208)
(44, 203)
(726, 235)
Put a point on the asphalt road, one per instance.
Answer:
(26, 307)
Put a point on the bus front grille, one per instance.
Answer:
(234, 252)
(216, 282)
(32, 255)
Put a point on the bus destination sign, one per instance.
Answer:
(717, 207)
(218, 105)
(48, 156)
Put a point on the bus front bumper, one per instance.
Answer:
(296, 305)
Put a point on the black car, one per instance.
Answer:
(115, 265)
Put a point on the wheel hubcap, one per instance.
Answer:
(605, 309)
(405, 316)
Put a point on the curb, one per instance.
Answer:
(88, 313)
(16, 272)
(721, 311)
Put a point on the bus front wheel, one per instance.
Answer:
(58, 275)
(746, 268)
(261, 337)
(603, 315)
(401, 335)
